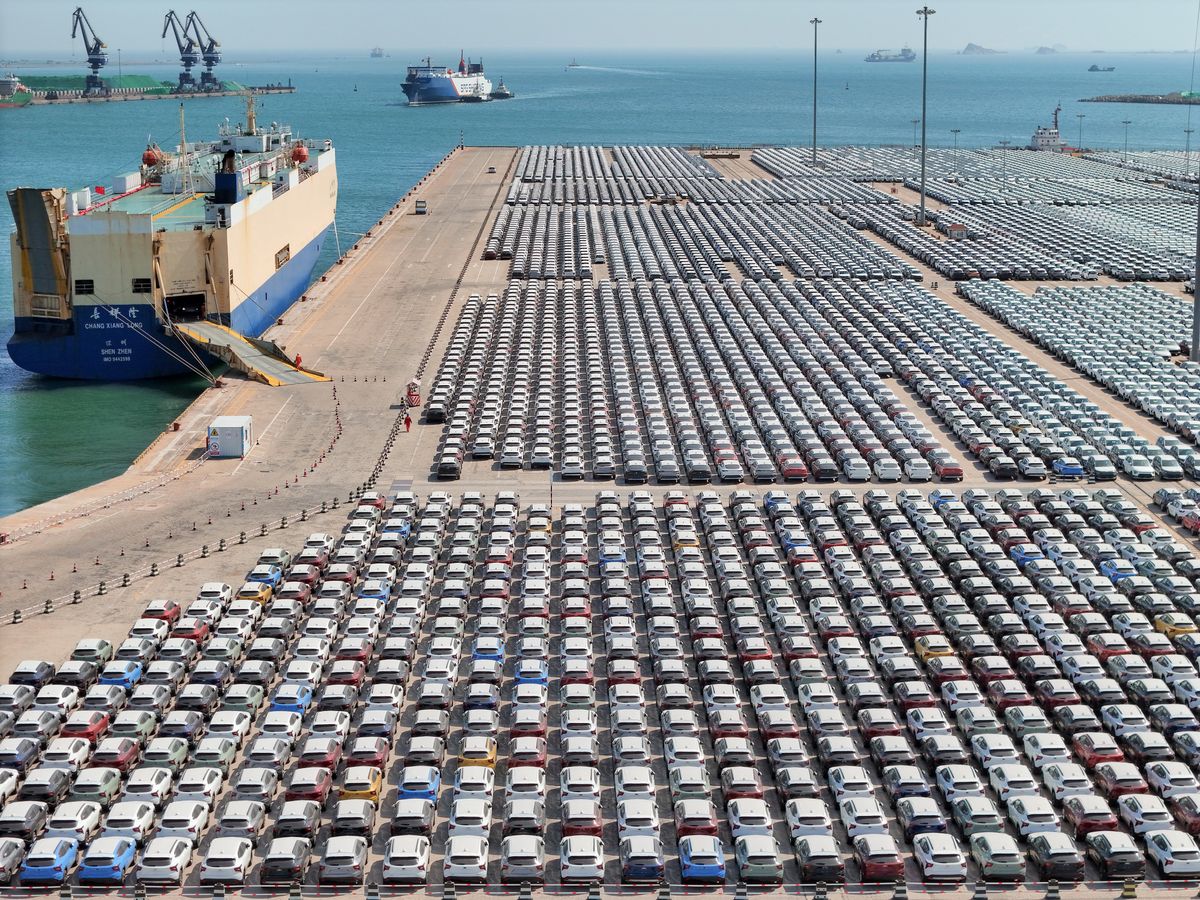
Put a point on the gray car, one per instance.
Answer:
(523, 858)
(344, 860)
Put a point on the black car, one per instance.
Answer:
(299, 819)
(377, 723)
(214, 672)
(36, 673)
(1115, 854)
(287, 860)
(79, 673)
(412, 816)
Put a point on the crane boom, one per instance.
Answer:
(210, 50)
(189, 55)
(96, 49)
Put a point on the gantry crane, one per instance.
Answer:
(210, 49)
(189, 55)
(97, 52)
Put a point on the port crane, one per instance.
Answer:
(97, 52)
(210, 50)
(189, 54)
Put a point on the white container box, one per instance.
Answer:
(230, 436)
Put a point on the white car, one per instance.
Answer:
(165, 860)
(862, 815)
(475, 783)
(582, 858)
(201, 783)
(682, 751)
(1175, 852)
(1143, 813)
(71, 754)
(149, 783)
(939, 857)
(637, 818)
(1045, 749)
(748, 815)
(232, 724)
(1170, 778)
(185, 819)
(471, 816)
(523, 783)
(1030, 815)
(466, 859)
(1063, 780)
(283, 725)
(807, 816)
(406, 859)
(580, 783)
(227, 861)
(1012, 780)
(956, 781)
(130, 818)
(634, 783)
(850, 782)
(77, 820)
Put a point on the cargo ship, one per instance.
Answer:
(905, 55)
(117, 282)
(428, 84)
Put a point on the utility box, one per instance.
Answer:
(419, 208)
(958, 232)
(230, 436)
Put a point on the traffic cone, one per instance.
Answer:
(1052, 892)
(1129, 889)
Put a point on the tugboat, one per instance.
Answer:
(905, 55)
(502, 92)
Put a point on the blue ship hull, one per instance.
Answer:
(431, 89)
(98, 345)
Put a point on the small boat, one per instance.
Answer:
(572, 64)
(502, 92)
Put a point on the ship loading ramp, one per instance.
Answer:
(258, 359)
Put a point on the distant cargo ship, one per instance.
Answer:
(376, 53)
(1095, 68)
(224, 234)
(905, 55)
(428, 84)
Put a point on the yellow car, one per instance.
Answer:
(478, 750)
(684, 539)
(362, 783)
(255, 590)
(927, 646)
(1173, 624)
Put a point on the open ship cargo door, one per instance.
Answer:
(40, 257)
(260, 360)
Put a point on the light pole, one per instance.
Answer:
(1187, 152)
(814, 21)
(924, 12)
(1194, 348)
(1126, 123)
(1004, 166)
(1080, 117)
(955, 132)
(915, 123)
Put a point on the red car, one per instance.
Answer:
(500, 553)
(1095, 747)
(529, 726)
(294, 590)
(624, 671)
(578, 671)
(987, 669)
(354, 649)
(1187, 813)
(1088, 814)
(749, 648)
(741, 781)
(368, 751)
(706, 627)
(1009, 692)
(695, 817)
(347, 671)
(1008, 538)
(878, 858)
(343, 572)
(877, 722)
(319, 752)
(947, 471)
(914, 695)
(305, 574)
(167, 610)
(778, 724)
(314, 556)
(1105, 645)
(727, 723)
(581, 817)
(575, 606)
(189, 627)
(1052, 693)
(792, 468)
(91, 725)
(942, 669)
(121, 754)
(1118, 779)
(798, 646)
(1151, 643)
(528, 751)
(914, 625)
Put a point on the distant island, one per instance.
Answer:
(977, 50)
(1044, 51)
(1176, 98)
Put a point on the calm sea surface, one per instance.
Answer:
(58, 436)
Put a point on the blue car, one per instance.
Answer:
(295, 698)
(1116, 569)
(532, 671)
(482, 696)
(642, 859)
(50, 861)
(1067, 467)
(272, 575)
(612, 556)
(107, 860)
(1023, 554)
(402, 528)
(702, 859)
(375, 589)
(122, 672)
(488, 648)
(420, 783)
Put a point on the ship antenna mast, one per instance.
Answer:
(1057, 110)
(185, 162)
(251, 123)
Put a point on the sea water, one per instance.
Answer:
(58, 436)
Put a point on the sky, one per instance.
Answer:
(40, 29)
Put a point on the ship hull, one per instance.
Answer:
(428, 90)
(98, 345)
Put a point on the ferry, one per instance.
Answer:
(428, 84)
(174, 266)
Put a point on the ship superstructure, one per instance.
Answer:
(427, 83)
(222, 233)
(905, 54)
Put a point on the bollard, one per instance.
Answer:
(901, 891)
(1052, 892)
(324, 508)
(448, 891)
(664, 892)
(218, 891)
(48, 608)
(125, 580)
(153, 569)
(77, 597)
(304, 515)
(739, 893)
(64, 892)
(1129, 889)
(821, 892)
(283, 522)
(102, 588)
(294, 891)
(262, 530)
(204, 551)
(241, 537)
(178, 560)
(18, 618)
(221, 545)
(139, 890)
(335, 502)
(371, 891)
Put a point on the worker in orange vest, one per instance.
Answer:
(297, 360)
(407, 424)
